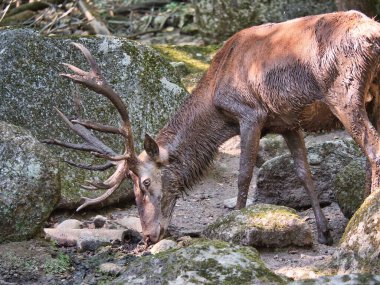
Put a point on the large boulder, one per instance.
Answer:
(360, 244)
(349, 186)
(219, 19)
(262, 225)
(349, 279)
(277, 182)
(29, 183)
(203, 262)
(31, 86)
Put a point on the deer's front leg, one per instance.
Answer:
(296, 144)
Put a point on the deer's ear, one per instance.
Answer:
(151, 148)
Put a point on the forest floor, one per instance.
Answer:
(205, 203)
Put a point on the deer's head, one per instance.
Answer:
(153, 181)
(154, 188)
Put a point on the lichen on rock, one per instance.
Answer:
(262, 225)
(278, 183)
(349, 186)
(29, 183)
(31, 86)
(360, 245)
(202, 262)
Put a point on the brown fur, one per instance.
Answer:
(311, 73)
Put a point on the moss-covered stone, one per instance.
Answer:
(203, 262)
(349, 186)
(360, 244)
(262, 225)
(219, 19)
(278, 183)
(31, 86)
(32, 262)
(351, 279)
(29, 183)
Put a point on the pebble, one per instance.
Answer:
(110, 268)
(163, 245)
(70, 224)
(130, 223)
(99, 221)
(231, 203)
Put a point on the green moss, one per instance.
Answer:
(196, 58)
(202, 262)
(57, 265)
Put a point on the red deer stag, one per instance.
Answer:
(311, 74)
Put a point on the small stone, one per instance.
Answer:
(70, 224)
(99, 221)
(163, 245)
(111, 268)
(231, 203)
(130, 223)
(180, 68)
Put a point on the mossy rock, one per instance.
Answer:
(262, 225)
(219, 19)
(349, 186)
(278, 183)
(360, 245)
(203, 262)
(33, 262)
(29, 183)
(350, 279)
(31, 86)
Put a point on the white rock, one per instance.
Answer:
(70, 224)
(130, 223)
(231, 203)
(163, 245)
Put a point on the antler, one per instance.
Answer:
(95, 81)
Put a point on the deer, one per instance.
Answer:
(304, 75)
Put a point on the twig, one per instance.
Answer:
(98, 26)
(6, 10)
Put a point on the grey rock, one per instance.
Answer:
(349, 186)
(277, 182)
(31, 86)
(84, 239)
(219, 19)
(69, 224)
(130, 223)
(203, 262)
(360, 245)
(270, 147)
(262, 225)
(111, 269)
(349, 279)
(231, 203)
(99, 221)
(163, 245)
(180, 68)
(29, 183)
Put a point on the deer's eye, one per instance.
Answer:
(146, 183)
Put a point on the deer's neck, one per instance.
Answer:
(193, 135)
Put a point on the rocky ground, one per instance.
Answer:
(210, 199)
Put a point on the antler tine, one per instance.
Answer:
(96, 144)
(101, 167)
(114, 182)
(95, 81)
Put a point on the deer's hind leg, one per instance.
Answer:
(350, 110)
(296, 144)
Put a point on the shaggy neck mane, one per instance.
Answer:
(194, 134)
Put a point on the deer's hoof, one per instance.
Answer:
(325, 238)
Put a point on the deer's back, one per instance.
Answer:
(287, 69)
